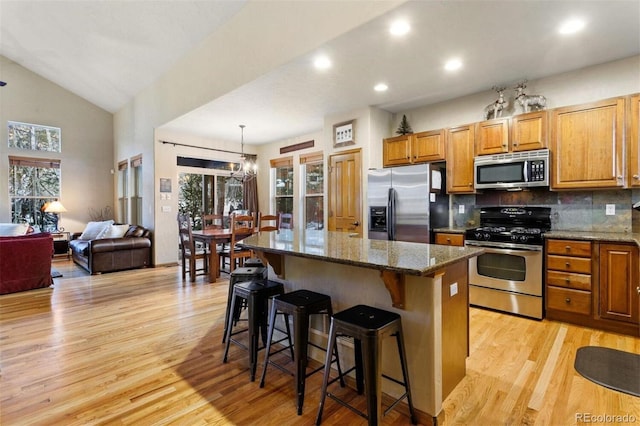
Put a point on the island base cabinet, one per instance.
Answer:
(434, 321)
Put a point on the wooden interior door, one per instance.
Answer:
(345, 192)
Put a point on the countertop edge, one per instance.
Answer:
(619, 237)
(424, 272)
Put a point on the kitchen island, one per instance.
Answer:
(426, 284)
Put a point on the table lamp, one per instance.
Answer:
(55, 207)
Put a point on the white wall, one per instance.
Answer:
(87, 142)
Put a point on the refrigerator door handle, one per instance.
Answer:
(391, 215)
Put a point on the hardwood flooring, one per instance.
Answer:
(144, 347)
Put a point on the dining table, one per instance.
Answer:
(212, 237)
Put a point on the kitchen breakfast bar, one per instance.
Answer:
(426, 284)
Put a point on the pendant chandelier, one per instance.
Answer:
(247, 168)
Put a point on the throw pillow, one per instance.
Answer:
(93, 229)
(13, 229)
(114, 231)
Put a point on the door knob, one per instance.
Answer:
(356, 223)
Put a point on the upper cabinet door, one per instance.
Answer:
(633, 141)
(492, 137)
(529, 131)
(396, 151)
(460, 152)
(587, 145)
(428, 146)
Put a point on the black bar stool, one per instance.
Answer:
(239, 275)
(257, 294)
(368, 326)
(301, 304)
(253, 262)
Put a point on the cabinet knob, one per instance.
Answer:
(636, 177)
(567, 248)
(504, 145)
(567, 264)
(567, 280)
(515, 144)
(567, 300)
(470, 183)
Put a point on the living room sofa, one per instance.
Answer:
(25, 262)
(131, 251)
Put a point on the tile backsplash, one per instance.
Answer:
(570, 210)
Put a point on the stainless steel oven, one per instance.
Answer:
(508, 275)
(507, 279)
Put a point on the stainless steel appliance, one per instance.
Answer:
(512, 171)
(508, 276)
(406, 203)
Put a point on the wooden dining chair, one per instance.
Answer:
(212, 221)
(268, 222)
(241, 227)
(286, 221)
(189, 252)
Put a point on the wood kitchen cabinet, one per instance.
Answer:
(569, 279)
(529, 131)
(593, 284)
(633, 143)
(587, 145)
(449, 239)
(492, 137)
(460, 153)
(525, 132)
(619, 280)
(415, 148)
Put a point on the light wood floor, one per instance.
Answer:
(143, 347)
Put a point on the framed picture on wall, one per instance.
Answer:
(165, 185)
(344, 133)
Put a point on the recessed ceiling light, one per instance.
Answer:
(453, 64)
(399, 28)
(571, 26)
(322, 63)
(380, 87)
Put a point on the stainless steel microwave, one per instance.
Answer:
(512, 171)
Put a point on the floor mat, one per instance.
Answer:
(611, 368)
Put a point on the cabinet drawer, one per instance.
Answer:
(570, 248)
(450, 239)
(569, 264)
(569, 280)
(564, 299)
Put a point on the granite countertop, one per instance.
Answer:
(620, 237)
(453, 229)
(340, 247)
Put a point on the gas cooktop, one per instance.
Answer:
(524, 225)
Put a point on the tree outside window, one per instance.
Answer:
(283, 191)
(34, 137)
(32, 183)
(313, 173)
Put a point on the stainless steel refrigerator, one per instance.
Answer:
(406, 203)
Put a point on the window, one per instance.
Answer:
(283, 191)
(34, 137)
(32, 183)
(123, 191)
(202, 194)
(136, 196)
(312, 166)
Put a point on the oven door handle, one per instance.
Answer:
(503, 246)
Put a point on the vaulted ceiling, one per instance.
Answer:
(108, 51)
